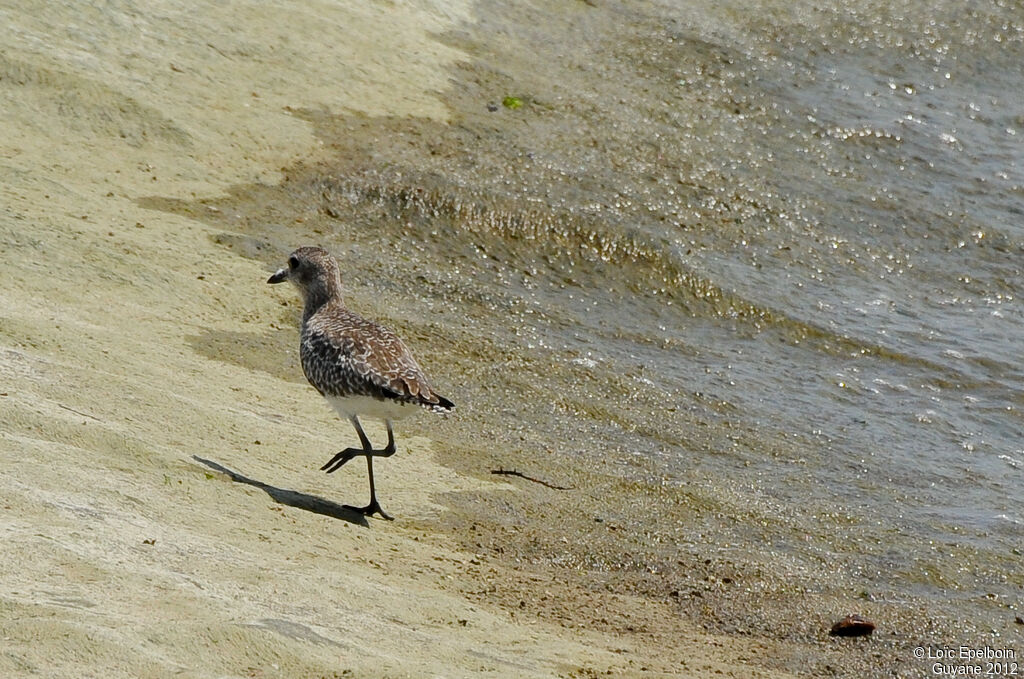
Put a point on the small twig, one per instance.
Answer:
(79, 412)
(513, 472)
(217, 50)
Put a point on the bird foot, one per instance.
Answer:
(339, 460)
(336, 462)
(370, 510)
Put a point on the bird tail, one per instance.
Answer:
(439, 404)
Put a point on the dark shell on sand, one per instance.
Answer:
(852, 626)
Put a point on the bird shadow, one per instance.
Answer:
(292, 498)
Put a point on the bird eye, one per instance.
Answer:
(293, 262)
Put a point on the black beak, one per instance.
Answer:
(279, 277)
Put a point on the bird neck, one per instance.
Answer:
(320, 294)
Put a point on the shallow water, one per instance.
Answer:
(765, 257)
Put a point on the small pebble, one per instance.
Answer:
(852, 626)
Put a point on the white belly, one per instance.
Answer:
(367, 406)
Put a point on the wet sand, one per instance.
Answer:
(163, 512)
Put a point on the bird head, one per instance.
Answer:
(313, 271)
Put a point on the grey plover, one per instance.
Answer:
(360, 367)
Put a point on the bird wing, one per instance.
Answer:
(347, 354)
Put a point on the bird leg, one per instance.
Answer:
(338, 461)
(374, 506)
(344, 456)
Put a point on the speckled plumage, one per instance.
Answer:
(345, 355)
(359, 366)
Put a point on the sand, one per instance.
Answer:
(162, 510)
